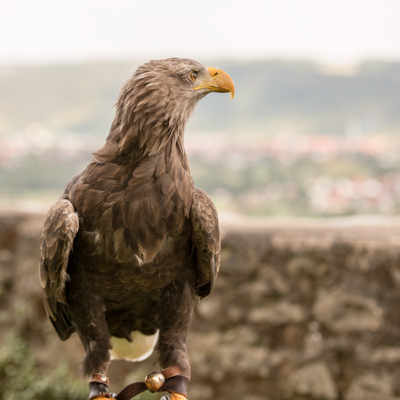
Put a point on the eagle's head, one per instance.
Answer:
(159, 98)
(182, 78)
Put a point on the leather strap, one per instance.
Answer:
(171, 371)
(176, 383)
(131, 391)
(99, 378)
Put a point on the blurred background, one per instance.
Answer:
(313, 131)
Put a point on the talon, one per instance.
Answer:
(177, 396)
(165, 398)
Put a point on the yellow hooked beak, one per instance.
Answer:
(220, 82)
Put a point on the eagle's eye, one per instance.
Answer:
(193, 76)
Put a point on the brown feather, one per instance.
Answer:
(145, 241)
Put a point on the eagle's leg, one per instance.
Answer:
(177, 310)
(89, 317)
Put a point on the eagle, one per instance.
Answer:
(131, 242)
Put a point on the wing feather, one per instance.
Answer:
(207, 241)
(58, 234)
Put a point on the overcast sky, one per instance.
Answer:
(338, 31)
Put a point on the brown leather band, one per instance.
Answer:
(174, 383)
(171, 371)
(99, 378)
(177, 384)
(131, 391)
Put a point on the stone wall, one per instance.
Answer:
(301, 310)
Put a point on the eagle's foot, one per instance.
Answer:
(174, 396)
(99, 393)
(103, 396)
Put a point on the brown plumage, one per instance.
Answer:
(131, 241)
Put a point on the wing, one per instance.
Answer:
(206, 240)
(58, 234)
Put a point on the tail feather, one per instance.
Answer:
(63, 324)
(139, 349)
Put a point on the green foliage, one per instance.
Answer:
(20, 377)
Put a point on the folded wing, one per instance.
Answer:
(58, 234)
(207, 241)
